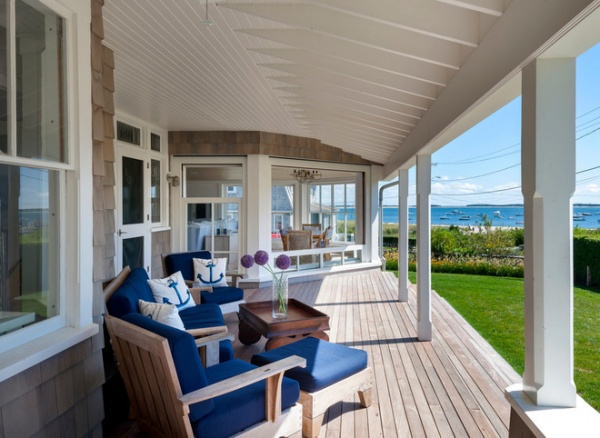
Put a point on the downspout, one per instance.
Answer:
(381, 189)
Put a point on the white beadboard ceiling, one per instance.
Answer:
(359, 75)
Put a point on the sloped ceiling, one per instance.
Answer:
(359, 75)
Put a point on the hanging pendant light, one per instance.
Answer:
(207, 21)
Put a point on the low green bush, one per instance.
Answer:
(586, 253)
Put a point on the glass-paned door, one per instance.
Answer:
(132, 234)
(214, 226)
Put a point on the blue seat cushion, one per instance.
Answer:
(326, 362)
(204, 316)
(240, 409)
(222, 295)
(185, 357)
(183, 262)
(125, 299)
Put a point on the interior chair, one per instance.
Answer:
(314, 228)
(227, 297)
(172, 395)
(300, 239)
(283, 233)
(323, 242)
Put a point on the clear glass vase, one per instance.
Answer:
(280, 297)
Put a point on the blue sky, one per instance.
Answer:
(483, 165)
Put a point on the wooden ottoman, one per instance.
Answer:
(332, 373)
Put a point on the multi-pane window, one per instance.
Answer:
(335, 205)
(34, 139)
(282, 210)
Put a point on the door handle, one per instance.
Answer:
(121, 232)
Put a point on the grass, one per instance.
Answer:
(494, 307)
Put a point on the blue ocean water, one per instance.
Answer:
(501, 216)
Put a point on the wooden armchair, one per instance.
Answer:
(172, 395)
(121, 296)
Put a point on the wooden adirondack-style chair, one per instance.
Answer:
(172, 395)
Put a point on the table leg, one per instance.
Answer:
(247, 335)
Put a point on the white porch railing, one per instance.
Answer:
(315, 259)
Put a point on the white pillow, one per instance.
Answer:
(210, 272)
(163, 313)
(172, 290)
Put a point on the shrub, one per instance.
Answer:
(586, 253)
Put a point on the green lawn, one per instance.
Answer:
(494, 307)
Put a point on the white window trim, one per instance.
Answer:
(76, 320)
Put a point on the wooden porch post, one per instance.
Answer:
(257, 193)
(548, 179)
(403, 235)
(424, 327)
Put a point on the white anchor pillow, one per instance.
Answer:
(172, 290)
(210, 272)
(163, 313)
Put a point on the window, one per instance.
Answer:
(32, 180)
(335, 205)
(155, 142)
(129, 134)
(135, 137)
(282, 210)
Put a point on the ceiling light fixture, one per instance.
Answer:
(305, 176)
(207, 21)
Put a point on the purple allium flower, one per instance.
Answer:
(247, 261)
(283, 262)
(261, 257)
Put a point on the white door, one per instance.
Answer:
(133, 212)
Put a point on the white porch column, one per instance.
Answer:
(257, 193)
(423, 247)
(403, 235)
(548, 179)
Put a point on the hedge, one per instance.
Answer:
(586, 252)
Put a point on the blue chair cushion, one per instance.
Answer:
(125, 299)
(240, 409)
(185, 357)
(204, 316)
(326, 362)
(222, 295)
(183, 262)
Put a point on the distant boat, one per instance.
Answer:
(497, 213)
(465, 218)
(444, 217)
(577, 217)
(586, 214)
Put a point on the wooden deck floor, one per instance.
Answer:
(451, 386)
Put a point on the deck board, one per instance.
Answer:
(450, 386)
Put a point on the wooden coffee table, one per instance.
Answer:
(256, 320)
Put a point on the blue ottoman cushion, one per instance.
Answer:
(239, 409)
(222, 295)
(326, 362)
